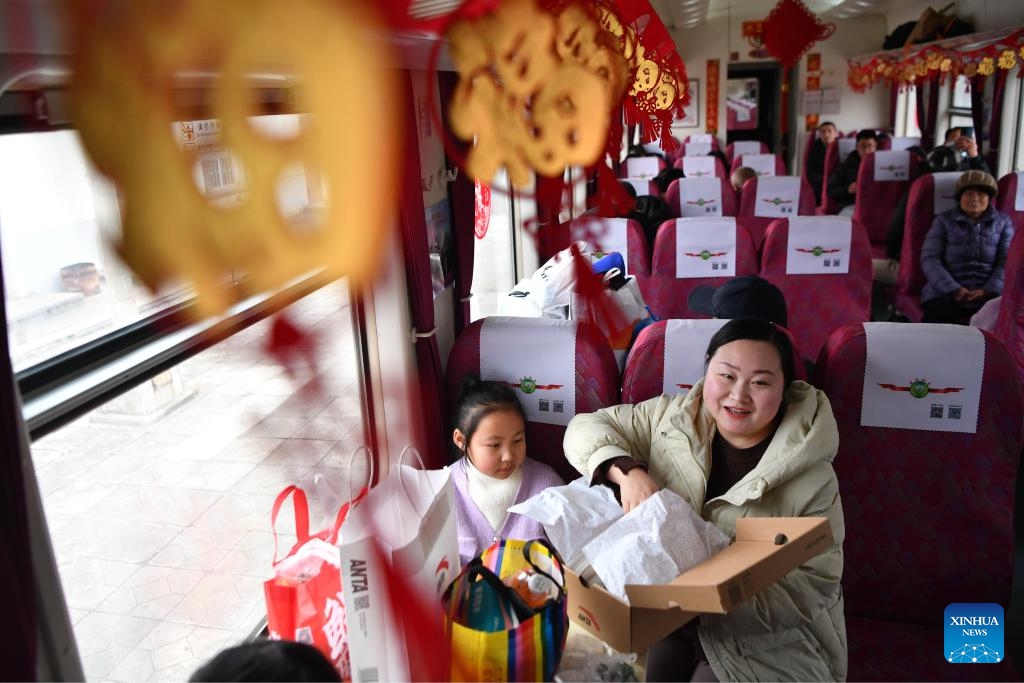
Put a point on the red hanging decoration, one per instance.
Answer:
(791, 29)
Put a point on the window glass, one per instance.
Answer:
(59, 221)
(493, 255)
(158, 502)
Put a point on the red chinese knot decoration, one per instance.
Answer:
(791, 29)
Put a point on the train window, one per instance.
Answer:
(907, 123)
(58, 219)
(158, 501)
(959, 112)
(494, 260)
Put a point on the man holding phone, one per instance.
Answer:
(962, 140)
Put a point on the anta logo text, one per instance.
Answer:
(357, 568)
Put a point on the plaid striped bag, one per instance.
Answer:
(495, 634)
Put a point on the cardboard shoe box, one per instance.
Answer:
(765, 550)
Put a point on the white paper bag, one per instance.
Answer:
(411, 515)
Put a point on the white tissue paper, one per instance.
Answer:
(653, 544)
(571, 514)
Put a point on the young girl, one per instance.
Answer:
(493, 472)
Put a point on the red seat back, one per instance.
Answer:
(622, 235)
(919, 216)
(596, 373)
(737, 162)
(834, 155)
(819, 303)
(751, 212)
(877, 199)
(666, 294)
(744, 147)
(929, 515)
(1010, 323)
(719, 167)
(644, 375)
(673, 196)
(1010, 185)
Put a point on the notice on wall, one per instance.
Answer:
(811, 102)
(830, 101)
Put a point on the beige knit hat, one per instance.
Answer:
(977, 180)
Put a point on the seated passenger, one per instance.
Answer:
(964, 253)
(747, 440)
(939, 160)
(665, 178)
(740, 177)
(842, 184)
(268, 660)
(747, 296)
(962, 141)
(493, 472)
(827, 133)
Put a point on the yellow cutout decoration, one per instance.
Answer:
(1007, 60)
(124, 99)
(534, 90)
(987, 66)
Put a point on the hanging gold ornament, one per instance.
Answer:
(1007, 60)
(129, 62)
(534, 90)
(987, 66)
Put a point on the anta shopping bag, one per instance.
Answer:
(506, 614)
(408, 522)
(304, 599)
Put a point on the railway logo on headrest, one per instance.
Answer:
(777, 201)
(817, 251)
(973, 633)
(701, 201)
(920, 388)
(705, 254)
(528, 385)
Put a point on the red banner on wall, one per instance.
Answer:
(711, 110)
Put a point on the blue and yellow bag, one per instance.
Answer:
(495, 634)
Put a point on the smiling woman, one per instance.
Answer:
(746, 441)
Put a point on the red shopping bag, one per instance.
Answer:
(304, 599)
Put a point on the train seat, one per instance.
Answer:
(1010, 322)
(834, 155)
(929, 514)
(767, 198)
(1011, 198)
(741, 147)
(641, 167)
(929, 195)
(696, 149)
(703, 137)
(643, 186)
(699, 167)
(575, 357)
(693, 197)
(668, 358)
(822, 265)
(763, 164)
(882, 179)
(622, 235)
(689, 252)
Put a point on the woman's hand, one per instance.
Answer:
(635, 487)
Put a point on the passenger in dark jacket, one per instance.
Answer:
(961, 141)
(964, 253)
(842, 185)
(816, 157)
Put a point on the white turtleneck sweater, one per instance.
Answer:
(493, 496)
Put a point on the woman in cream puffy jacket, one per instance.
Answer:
(746, 441)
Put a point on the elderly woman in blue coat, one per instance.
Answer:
(964, 253)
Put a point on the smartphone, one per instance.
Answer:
(967, 131)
